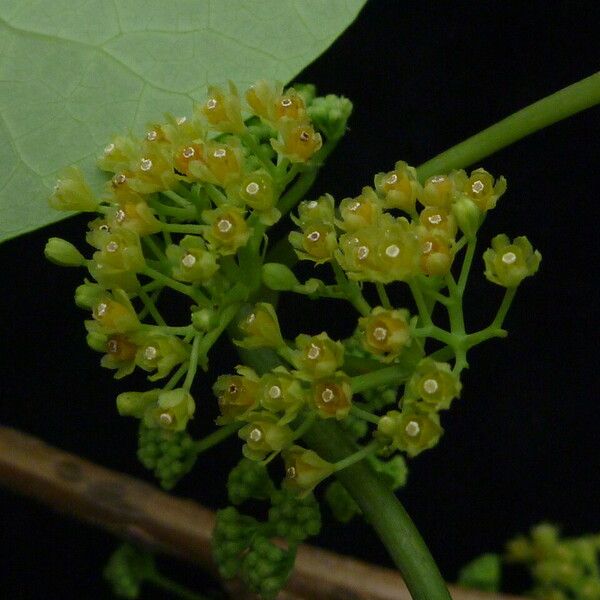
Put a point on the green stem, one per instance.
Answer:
(193, 293)
(364, 415)
(151, 307)
(357, 456)
(388, 376)
(504, 306)
(193, 365)
(420, 302)
(216, 437)
(351, 290)
(560, 105)
(177, 199)
(466, 266)
(176, 376)
(164, 583)
(383, 510)
(383, 297)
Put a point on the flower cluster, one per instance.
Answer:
(186, 208)
(561, 568)
(371, 242)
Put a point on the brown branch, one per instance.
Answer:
(136, 511)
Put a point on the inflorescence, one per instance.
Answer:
(188, 208)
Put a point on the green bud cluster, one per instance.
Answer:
(249, 480)
(294, 518)
(169, 454)
(560, 568)
(127, 569)
(242, 548)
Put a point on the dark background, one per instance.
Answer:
(521, 445)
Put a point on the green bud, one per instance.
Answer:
(71, 192)
(279, 277)
(136, 404)
(264, 436)
(96, 341)
(294, 518)
(63, 253)
(410, 431)
(248, 479)
(205, 319)
(467, 215)
(87, 295)
(330, 114)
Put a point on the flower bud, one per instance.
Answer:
(87, 295)
(71, 192)
(261, 328)
(116, 314)
(330, 114)
(222, 110)
(159, 352)
(467, 215)
(482, 190)
(304, 469)
(63, 253)
(508, 264)
(205, 319)
(279, 277)
(135, 404)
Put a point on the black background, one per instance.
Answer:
(521, 445)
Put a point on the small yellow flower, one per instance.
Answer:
(507, 264)
(304, 469)
(385, 333)
(399, 188)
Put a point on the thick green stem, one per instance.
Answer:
(174, 588)
(560, 105)
(383, 510)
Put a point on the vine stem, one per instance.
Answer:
(383, 510)
(174, 588)
(551, 109)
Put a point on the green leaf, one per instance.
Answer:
(73, 72)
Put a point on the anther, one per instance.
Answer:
(509, 258)
(150, 353)
(165, 419)
(304, 137)
(380, 333)
(101, 309)
(314, 236)
(145, 164)
(327, 395)
(220, 153)
(189, 260)
(188, 152)
(435, 219)
(224, 225)
(211, 103)
(255, 435)
(477, 186)
(151, 135)
(275, 392)
(290, 472)
(313, 352)
(431, 386)
(112, 246)
(109, 149)
(120, 215)
(362, 252)
(412, 429)
(252, 188)
(392, 251)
